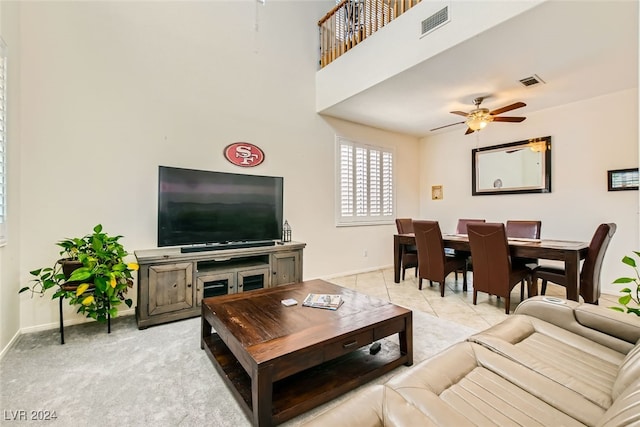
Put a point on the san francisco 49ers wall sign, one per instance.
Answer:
(244, 154)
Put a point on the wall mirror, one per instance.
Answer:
(516, 167)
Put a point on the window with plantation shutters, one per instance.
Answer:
(365, 185)
(3, 143)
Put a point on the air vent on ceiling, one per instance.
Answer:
(436, 20)
(531, 80)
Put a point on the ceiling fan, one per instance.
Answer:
(479, 118)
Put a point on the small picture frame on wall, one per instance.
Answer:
(436, 192)
(622, 179)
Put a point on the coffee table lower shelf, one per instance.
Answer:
(305, 390)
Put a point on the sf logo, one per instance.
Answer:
(244, 154)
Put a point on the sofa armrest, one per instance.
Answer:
(613, 329)
(375, 406)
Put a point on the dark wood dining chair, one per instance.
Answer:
(524, 229)
(461, 228)
(409, 256)
(493, 272)
(433, 265)
(590, 273)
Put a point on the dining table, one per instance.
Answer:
(570, 252)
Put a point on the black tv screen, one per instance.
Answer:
(200, 207)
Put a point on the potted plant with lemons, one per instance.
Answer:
(92, 275)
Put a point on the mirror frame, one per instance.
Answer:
(545, 171)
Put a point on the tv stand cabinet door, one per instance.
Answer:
(215, 284)
(170, 288)
(256, 278)
(286, 268)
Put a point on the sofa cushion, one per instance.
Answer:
(573, 361)
(629, 371)
(380, 406)
(488, 389)
(612, 329)
(612, 324)
(625, 410)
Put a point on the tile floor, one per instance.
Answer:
(456, 304)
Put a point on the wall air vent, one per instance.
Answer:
(435, 21)
(531, 80)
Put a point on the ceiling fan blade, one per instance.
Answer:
(460, 113)
(446, 126)
(509, 119)
(469, 130)
(508, 108)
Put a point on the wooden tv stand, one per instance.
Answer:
(171, 284)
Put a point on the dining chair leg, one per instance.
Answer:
(507, 304)
(464, 280)
(475, 296)
(420, 284)
(543, 289)
(442, 286)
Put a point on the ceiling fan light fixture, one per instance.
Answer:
(478, 119)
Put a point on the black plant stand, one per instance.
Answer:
(68, 287)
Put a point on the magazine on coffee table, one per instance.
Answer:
(328, 301)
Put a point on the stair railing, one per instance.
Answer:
(351, 21)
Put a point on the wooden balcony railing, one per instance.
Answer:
(352, 21)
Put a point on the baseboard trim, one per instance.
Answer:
(353, 272)
(9, 344)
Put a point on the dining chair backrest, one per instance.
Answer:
(409, 252)
(461, 228)
(404, 225)
(493, 272)
(430, 249)
(524, 229)
(590, 273)
(491, 261)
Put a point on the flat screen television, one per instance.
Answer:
(205, 207)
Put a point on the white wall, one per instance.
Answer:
(588, 138)
(404, 47)
(9, 254)
(111, 90)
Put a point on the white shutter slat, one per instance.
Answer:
(364, 185)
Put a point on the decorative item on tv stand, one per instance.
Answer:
(286, 231)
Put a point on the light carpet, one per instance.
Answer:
(158, 376)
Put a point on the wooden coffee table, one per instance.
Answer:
(282, 361)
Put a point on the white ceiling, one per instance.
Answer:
(581, 49)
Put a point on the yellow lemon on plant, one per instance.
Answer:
(113, 281)
(88, 300)
(132, 266)
(80, 290)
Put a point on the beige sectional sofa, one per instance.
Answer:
(552, 363)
